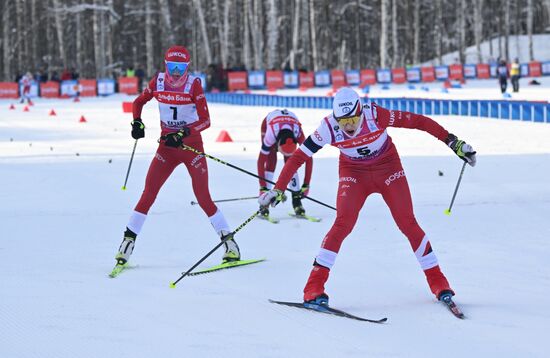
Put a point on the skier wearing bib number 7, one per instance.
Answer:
(369, 163)
(183, 115)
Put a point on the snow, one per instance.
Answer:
(541, 50)
(63, 217)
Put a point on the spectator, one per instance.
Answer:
(502, 72)
(66, 75)
(140, 74)
(55, 77)
(74, 75)
(130, 72)
(515, 75)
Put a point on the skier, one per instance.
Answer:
(502, 72)
(281, 130)
(26, 81)
(369, 163)
(183, 115)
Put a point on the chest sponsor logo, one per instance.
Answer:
(173, 98)
(348, 179)
(395, 176)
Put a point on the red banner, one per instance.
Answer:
(128, 85)
(88, 88)
(428, 74)
(9, 90)
(338, 79)
(49, 89)
(237, 80)
(274, 80)
(483, 70)
(456, 72)
(534, 69)
(368, 77)
(399, 75)
(306, 79)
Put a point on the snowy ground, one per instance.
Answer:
(63, 217)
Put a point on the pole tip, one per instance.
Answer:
(172, 285)
(447, 212)
(123, 188)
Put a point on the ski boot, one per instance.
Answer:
(297, 204)
(315, 286)
(437, 282)
(264, 211)
(126, 247)
(232, 252)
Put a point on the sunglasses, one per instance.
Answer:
(176, 67)
(349, 120)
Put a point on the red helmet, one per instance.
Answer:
(177, 60)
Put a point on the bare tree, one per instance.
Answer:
(507, 29)
(295, 34)
(438, 29)
(394, 36)
(416, 31)
(204, 32)
(478, 27)
(384, 24)
(312, 35)
(530, 28)
(149, 51)
(6, 41)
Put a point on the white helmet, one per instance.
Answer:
(346, 103)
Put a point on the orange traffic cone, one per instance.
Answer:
(224, 137)
(26, 109)
(82, 119)
(52, 113)
(12, 106)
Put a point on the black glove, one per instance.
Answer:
(138, 128)
(175, 139)
(462, 149)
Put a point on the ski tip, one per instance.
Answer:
(447, 212)
(172, 285)
(123, 188)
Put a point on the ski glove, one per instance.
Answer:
(175, 139)
(304, 191)
(462, 149)
(138, 128)
(271, 197)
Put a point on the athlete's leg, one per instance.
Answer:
(395, 190)
(198, 170)
(161, 167)
(352, 192)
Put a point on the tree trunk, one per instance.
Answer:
(394, 36)
(98, 49)
(109, 35)
(507, 29)
(438, 29)
(58, 14)
(78, 39)
(168, 32)
(204, 33)
(313, 35)
(272, 34)
(225, 36)
(461, 30)
(6, 42)
(149, 51)
(246, 41)
(478, 28)
(416, 29)
(384, 22)
(295, 33)
(358, 33)
(530, 28)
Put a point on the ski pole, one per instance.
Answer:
(224, 200)
(448, 211)
(224, 239)
(129, 166)
(184, 146)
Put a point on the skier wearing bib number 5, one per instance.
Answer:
(183, 115)
(369, 163)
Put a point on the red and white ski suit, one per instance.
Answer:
(272, 124)
(178, 107)
(369, 163)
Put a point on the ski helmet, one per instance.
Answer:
(346, 103)
(176, 61)
(286, 142)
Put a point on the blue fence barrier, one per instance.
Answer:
(512, 110)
